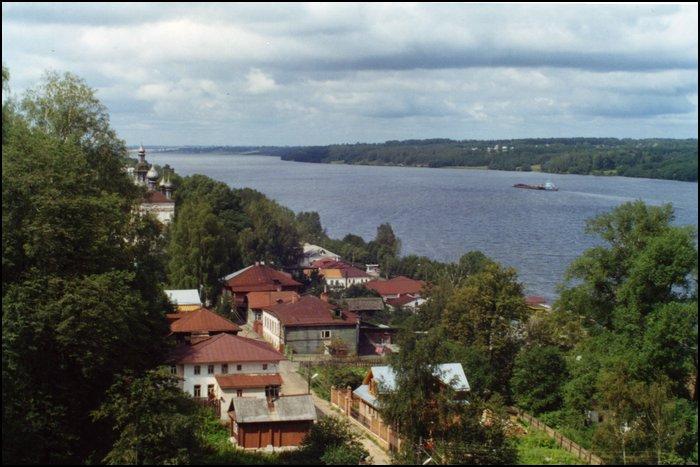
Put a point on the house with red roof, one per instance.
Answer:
(257, 286)
(311, 326)
(396, 287)
(224, 366)
(193, 326)
(339, 274)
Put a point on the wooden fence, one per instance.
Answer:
(563, 442)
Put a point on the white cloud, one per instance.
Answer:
(259, 82)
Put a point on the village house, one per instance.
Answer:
(185, 299)
(194, 326)
(339, 274)
(363, 404)
(313, 253)
(364, 307)
(158, 199)
(377, 339)
(311, 325)
(275, 422)
(397, 287)
(222, 367)
(405, 302)
(257, 286)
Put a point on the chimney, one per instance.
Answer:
(257, 263)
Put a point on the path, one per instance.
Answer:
(294, 383)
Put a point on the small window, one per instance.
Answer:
(197, 390)
(239, 392)
(264, 366)
(196, 369)
(325, 334)
(224, 368)
(239, 367)
(210, 369)
(210, 390)
(173, 370)
(272, 392)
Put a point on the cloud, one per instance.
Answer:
(324, 73)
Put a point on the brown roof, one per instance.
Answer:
(364, 304)
(260, 278)
(199, 321)
(156, 197)
(311, 311)
(225, 348)
(535, 300)
(269, 298)
(397, 286)
(248, 381)
(346, 269)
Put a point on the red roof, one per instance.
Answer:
(400, 301)
(260, 278)
(346, 269)
(311, 311)
(156, 197)
(267, 299)
(397, 286)
(248, 381)
(535, 300)
(225, 348)
(199, 321)
(327, 263)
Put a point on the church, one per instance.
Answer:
(158, 199)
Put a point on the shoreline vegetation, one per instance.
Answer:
(669, 159)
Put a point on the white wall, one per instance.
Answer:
(272, 330)
(204, 379)
(227, 394)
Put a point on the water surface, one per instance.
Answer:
(443, 213)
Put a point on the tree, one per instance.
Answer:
(488, 312)
(331, 440)
(198, 251)
(155, 421)
(310, 228)
(538, 375)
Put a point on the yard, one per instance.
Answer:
(339, 376)
(536, 448)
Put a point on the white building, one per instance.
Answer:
(158, 200)
(314, 253)
(184, 299)
(225, 366)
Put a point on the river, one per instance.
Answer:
(443, 213)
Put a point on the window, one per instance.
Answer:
(325, 334)
(264, 366)
(239, 367)
(239, 392)
(196, 369)
(224, 368)
(272, 392)
(210, 369)
(210, 390)
(197, 390)
(173, 370)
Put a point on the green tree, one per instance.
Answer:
(156, 423)
(331, 440)
(538, 375)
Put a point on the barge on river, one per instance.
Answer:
(549, 186)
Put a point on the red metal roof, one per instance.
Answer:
(397, 286)
(156, 197)
(268, 298)
(199, 321)
(400, 301)
(311, 311)
(225, 348)
(260, 278)
(248, 381)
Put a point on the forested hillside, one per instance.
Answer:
(672, 159)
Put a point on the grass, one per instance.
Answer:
(536, 448)
(329, 375)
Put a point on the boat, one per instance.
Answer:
(549, 186)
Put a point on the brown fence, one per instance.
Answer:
(564, 442)
(351, 405)
(365, 362)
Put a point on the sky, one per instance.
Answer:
(307, 74)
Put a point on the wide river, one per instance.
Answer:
(443, 213)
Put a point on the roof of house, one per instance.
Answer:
(535, 300)
(312, 250)
(259, 277)
(269, 298)
(184, 297)
(201, 320)
(248, 381)
(403, 300)
(311, 311)
(286, 408)
(156, 197)
(225, 348)
(342, 272)
(365, 304)
(449, 373)
(397, 286)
